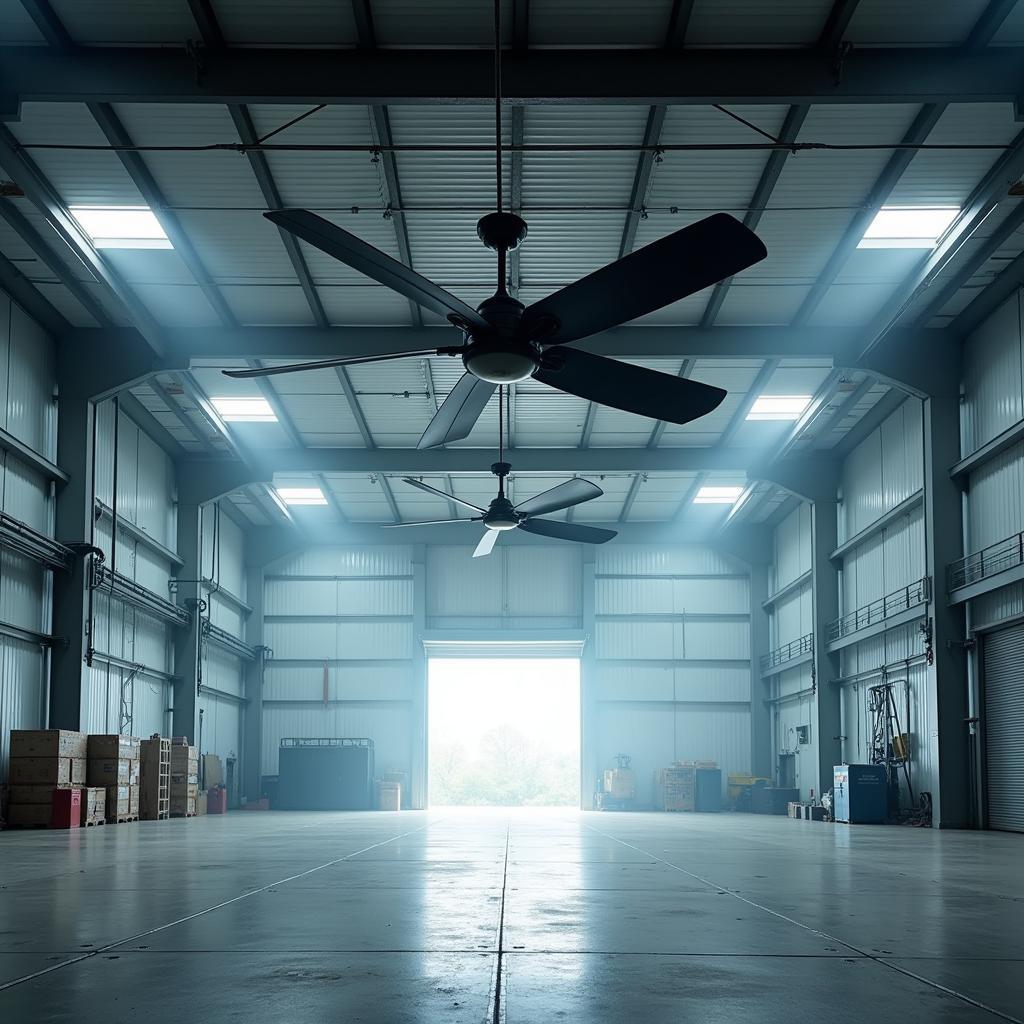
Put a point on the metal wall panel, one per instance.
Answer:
(793, 546)
(993, 372)
(996, 497)
(28, 412)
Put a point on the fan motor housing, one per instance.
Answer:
(501, 361)
(501, 515)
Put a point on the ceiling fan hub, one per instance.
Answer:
(501, 230)
(501, 361)
(501, 515)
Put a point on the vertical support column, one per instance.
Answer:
(252, 714)
(588, 684)
(760, 644)
(825, 609)
(419, 766)
(947, 673)
(185, 720)
(69, 693)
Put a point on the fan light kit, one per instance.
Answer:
(504, 341)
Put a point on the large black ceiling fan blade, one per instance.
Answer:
(486, 545)
(429, 522)
(572, 492)
(567, 531)
(627, 387)
(442, 494)
(459, 412)
(326, 364)
(652, 277)
(359, 255)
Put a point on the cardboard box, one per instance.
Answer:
(180, 754)
(47, 743)
(202, 801)
(94, 805)
(29, 814)
(48, 771)
(122, 802)
(191, 779)
(117, 771)
(112, 747)
(184, 801)
(213, 776)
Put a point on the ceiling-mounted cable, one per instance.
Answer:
(497, 102)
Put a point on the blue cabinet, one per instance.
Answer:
(860, 793)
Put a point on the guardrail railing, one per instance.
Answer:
(979, 565)
(878, 611)
(787, 652)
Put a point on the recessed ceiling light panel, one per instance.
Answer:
(908, 227)
(244, 410)
(301, 495)
(121, 227)
(717, 495)
(778, 407)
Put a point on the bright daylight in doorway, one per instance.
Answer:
(504, 732)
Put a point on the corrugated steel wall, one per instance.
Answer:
(790, 618)
(883, 471)
(994, 402)
(672, 660)
(145, 500)
(29, 413)
(222, 673)
(346, 613)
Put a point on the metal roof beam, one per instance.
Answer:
(21, 226)
(44, 197)
(393, 196)
(442, 461)
(144, 181)
(720, 342)
(759, 200)
(988, 24)
(49, 25)
(852, 400)
(26, 295)
(205, 18)
(694, 488)
(919, 130)
(266, 388)
(354, 404)
(179, 414)
(990, 192)
(988, 247)
(991, 298)
(651, 77)
(659, 428)
(839, 18)
(634, 490)
(642, 179)
(678, 24)
(740, 416)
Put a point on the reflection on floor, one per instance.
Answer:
(516, 916)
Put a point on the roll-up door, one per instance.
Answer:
(1004, 727)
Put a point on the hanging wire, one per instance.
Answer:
(497, 101)
(288, 124)
(744, 121)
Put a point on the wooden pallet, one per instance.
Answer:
(128, 817)
(95, 821)
(183, 814)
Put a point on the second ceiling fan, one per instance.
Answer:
(505, 342)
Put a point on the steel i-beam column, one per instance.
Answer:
(825, 609)
(252, 721)
(187, 641)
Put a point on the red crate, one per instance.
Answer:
(217, 800)
(66, 808)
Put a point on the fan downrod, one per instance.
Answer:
(501, 513)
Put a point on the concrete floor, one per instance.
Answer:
(290, 917)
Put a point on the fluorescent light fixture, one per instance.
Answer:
(778, 407)
(907, 227)
(717, 495)
(121, 227)
(244, 410)
(301, 495)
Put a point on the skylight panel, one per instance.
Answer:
(717, 495)
(301, 495)
(778, 407)
(244, 410)
(121, 227)
(907, 227)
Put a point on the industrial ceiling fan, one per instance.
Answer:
(501, 514)
(505, 341)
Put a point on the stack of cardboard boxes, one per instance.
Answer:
(114, 765)
(184, 778)
(43, 761)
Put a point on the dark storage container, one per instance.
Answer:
(860, 793)
(325, 775)
(709, 789)
(772, 799)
